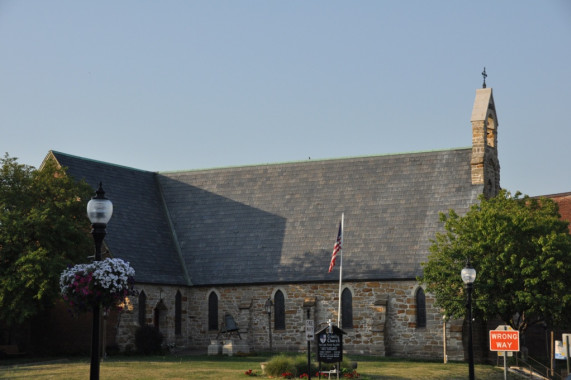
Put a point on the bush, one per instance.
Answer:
(279, 364)
(300, 365)
(148, 340)
(297, 365)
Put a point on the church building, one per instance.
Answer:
(210, 243)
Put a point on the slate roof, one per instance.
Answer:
(278, 223)
(138, 231)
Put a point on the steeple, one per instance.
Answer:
(485, 165)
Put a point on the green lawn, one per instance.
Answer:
(231, 368)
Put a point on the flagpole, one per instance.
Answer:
(340, 269)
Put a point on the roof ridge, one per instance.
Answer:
(564, 194)
(54, 152)
(311, 160)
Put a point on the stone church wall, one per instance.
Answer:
(405, 339)
(158, 297)
(384, 318)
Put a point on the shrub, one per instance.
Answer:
(278, 365)
(148, 340)
(300, 365)
(297, 366)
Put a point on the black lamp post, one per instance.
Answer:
(99, 211)
(469, 276)
(269, 305)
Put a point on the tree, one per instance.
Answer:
(521, 251)
(43, 228)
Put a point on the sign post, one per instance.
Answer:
(309, 330)
(504, 339)
(309, 337)
(566, 340)
(562, 349)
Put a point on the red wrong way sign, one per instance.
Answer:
(502, 340)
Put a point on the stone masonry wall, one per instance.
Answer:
(384, 318)
(128, 321)
(403, 336)
(478, 151)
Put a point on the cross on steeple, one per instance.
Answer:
(484, 75)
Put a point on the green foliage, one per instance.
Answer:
(521, 251)
(297, 365)
(279, 364)
(300, 365)
(148, 340)
(43, 228)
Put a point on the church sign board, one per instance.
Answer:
(330, 345)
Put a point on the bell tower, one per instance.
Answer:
(484, 164)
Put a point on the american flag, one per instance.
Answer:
(336, 249)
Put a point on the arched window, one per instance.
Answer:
(142, 308)
(159, 318)
(212, 311)
(177, 313)
(279, 311)
(420, 308)
(346, 309)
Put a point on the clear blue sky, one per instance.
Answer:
(174, 85)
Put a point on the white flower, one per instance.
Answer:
(110, 274)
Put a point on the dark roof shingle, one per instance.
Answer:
(138, 231)
(278, 223)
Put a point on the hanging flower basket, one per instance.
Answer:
(106, 283)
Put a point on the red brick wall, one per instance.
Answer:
(564, 202)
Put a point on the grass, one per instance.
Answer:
(228, 368)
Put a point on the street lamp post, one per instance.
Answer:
(268, 306)
(469, 276)
(99, 211)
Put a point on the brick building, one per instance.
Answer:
(563, 200)
(206, 243)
